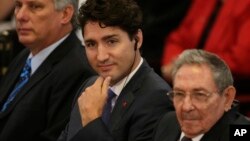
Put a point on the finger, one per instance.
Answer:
(99, 82)
(105, 84)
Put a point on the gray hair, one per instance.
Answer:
(60, 4)
(221, 73)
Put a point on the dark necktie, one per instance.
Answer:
(186, 139)
(23, 79)
(108, 106)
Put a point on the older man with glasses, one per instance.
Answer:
(203, 96)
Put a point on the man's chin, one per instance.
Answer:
(104, 74)
(191, 132)
(191, 129)
(25, 40)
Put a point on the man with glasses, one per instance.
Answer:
(203, 96)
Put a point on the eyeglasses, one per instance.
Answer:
(197, 97)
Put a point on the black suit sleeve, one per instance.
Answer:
(137, 124)
(94, 131)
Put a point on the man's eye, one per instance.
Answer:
(200, 95)
(179, 94)
(17, 5)
(111, 42)
(35, 6)
(89, 44)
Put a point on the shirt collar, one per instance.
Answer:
(197, 138)
(38, 59)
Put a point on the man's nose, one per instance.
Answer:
(187, 104)
(21, 13)
(102, 54)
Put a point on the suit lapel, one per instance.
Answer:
(221, 129)
(173, 129)
(127, 96)
(45, 67)
(122, 105)
(13, 75)
(33, 81)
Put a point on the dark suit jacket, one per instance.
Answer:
(168, 128)
(41, 110)
(141, 103)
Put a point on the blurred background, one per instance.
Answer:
(169, 27)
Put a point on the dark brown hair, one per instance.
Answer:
(125, 14)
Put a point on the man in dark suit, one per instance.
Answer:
(39, 109)
(203, 96)
(113, 37)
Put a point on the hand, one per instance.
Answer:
(93, 99)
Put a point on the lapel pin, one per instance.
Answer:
(124, 104)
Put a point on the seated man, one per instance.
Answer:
(203, 96)
(113, 38)
(38, 89)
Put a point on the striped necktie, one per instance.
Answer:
(23, 79)
(108, 107)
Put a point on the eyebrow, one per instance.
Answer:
(194, 89)
(29, 1)
(109, 36)
(103, 38)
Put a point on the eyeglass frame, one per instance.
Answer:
(201, 96)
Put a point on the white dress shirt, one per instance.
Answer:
(197, 138)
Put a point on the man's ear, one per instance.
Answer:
(229, 94)
(139, 38)
(67, 14)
